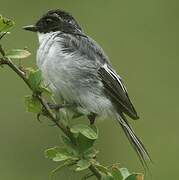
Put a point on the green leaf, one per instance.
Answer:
(85, 131)
(59, 154)
(18, 54)
(32, 104)
(124, 172)
(35, 79)
(51, 153)
(84, 143)
(83, 164)
(5, 24)
(135, 177)
(94, 128)
(116, 173)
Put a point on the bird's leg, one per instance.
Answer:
(92, 118)
(57, 107)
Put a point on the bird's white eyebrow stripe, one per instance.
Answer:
(114, 76)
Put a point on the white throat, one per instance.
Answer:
(44, 37)
(47, 46)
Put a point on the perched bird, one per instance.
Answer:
(80, 74)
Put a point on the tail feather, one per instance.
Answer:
(135, 141)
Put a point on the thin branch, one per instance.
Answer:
(95, 171)
(64, 129)
(52, 116)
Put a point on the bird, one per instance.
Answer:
(80, 74)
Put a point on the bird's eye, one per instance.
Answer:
(69, 21)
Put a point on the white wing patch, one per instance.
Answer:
(115, 76)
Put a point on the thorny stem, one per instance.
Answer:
(52, 116)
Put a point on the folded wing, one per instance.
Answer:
(116, 91)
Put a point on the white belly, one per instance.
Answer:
(64, 75)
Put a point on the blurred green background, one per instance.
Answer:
(141, 38)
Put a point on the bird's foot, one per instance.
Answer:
(92, 118)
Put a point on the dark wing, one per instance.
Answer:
(116, 91)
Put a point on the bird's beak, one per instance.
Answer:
(32, 28)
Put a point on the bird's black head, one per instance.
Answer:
(56, 20)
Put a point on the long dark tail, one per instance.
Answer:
(135, 141)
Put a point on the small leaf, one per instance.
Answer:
(116, 173)
(85, 131)
(94, 128)
(84, 143)
(62, 156)
(125, 173)
(5, 24)
(35, 79)
(135, 177)
(83, 164)
(59, 154)
(32, 104)
(51, 153)
(18, 54)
